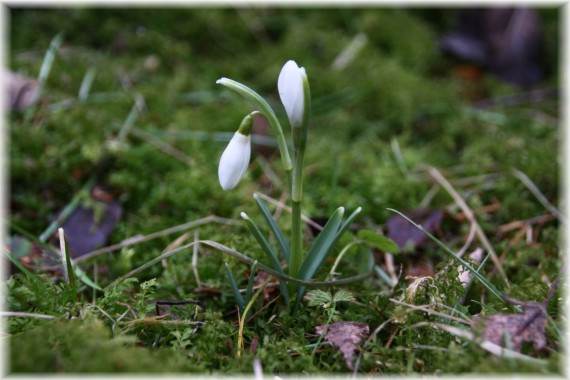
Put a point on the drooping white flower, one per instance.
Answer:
(290, 86)
(234, 161)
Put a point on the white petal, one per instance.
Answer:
(290, 86)
(234, 161)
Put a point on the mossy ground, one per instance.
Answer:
(376, 126)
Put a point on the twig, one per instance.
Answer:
(469, 215)
(517, 224)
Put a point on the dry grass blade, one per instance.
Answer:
(486, 345)
(171, 230)
(538, 194)
(471, 216)
(175, 244)
(195, 253)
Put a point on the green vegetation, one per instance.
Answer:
(131, 100)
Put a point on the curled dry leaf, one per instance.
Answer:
(345, 335)
(514, 329)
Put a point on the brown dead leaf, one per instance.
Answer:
(528, 326)
(345, 335)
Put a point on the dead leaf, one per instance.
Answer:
(22, 91)
(86, 229)
(405, 233)
(345, 335)
(528, 326)
(504, 40)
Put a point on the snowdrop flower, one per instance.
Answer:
(291, 92)
(235, 159)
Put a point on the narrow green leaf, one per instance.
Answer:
(269, 252)
(347, 222)
(265, 268)
(17, 264)
(249, 291)
(319, 250)
(262, 241)
(383, 243)
(246, 259)
(476, 274)
(81, 275)
(237, 295)
(345, 225)
(384, 276)
(321, 246)
(283, 245)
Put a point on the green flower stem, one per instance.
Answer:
(299, 142)
(296, 224)
(266, 111)
(296, 198)
(296, 240)
(299, 135)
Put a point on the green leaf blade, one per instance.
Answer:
(281, 240)
(262, 241)
(321, 246)
(237, 295)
